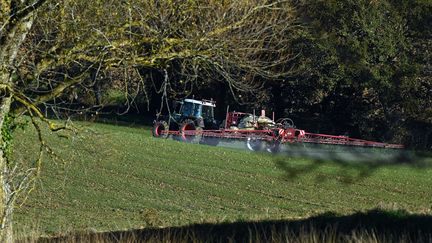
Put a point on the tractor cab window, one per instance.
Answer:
(207, 112)
(190, 109)
(187, 109)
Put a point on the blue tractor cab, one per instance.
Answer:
(200, 112)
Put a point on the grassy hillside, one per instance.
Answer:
(112, 178)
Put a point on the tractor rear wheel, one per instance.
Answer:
(254, 144)
(160, 129)
(273, 147)
(188, 131)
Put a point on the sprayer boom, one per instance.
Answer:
(258, 132)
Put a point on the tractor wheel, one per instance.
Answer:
(189, 126)
(160, 129)
(254, 144)
(273, 147)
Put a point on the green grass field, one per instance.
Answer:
(115, 178)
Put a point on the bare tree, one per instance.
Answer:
(241, 43)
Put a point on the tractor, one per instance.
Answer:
(188, 115)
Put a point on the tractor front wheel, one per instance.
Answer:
(188, 131)
(160, 129)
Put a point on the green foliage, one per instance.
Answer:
(114, 97)
(365, 38)
(356, 68)
(418, 15)
(7, 137)
(10, 125)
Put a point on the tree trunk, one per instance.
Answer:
(8, 53)
(6, 209)
(6, 202)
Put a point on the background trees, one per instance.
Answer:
(363, 70)
(364, 52)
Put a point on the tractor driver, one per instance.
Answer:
(196, 111)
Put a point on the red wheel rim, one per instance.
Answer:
(187, 127)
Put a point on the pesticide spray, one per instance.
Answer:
(325, 152)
